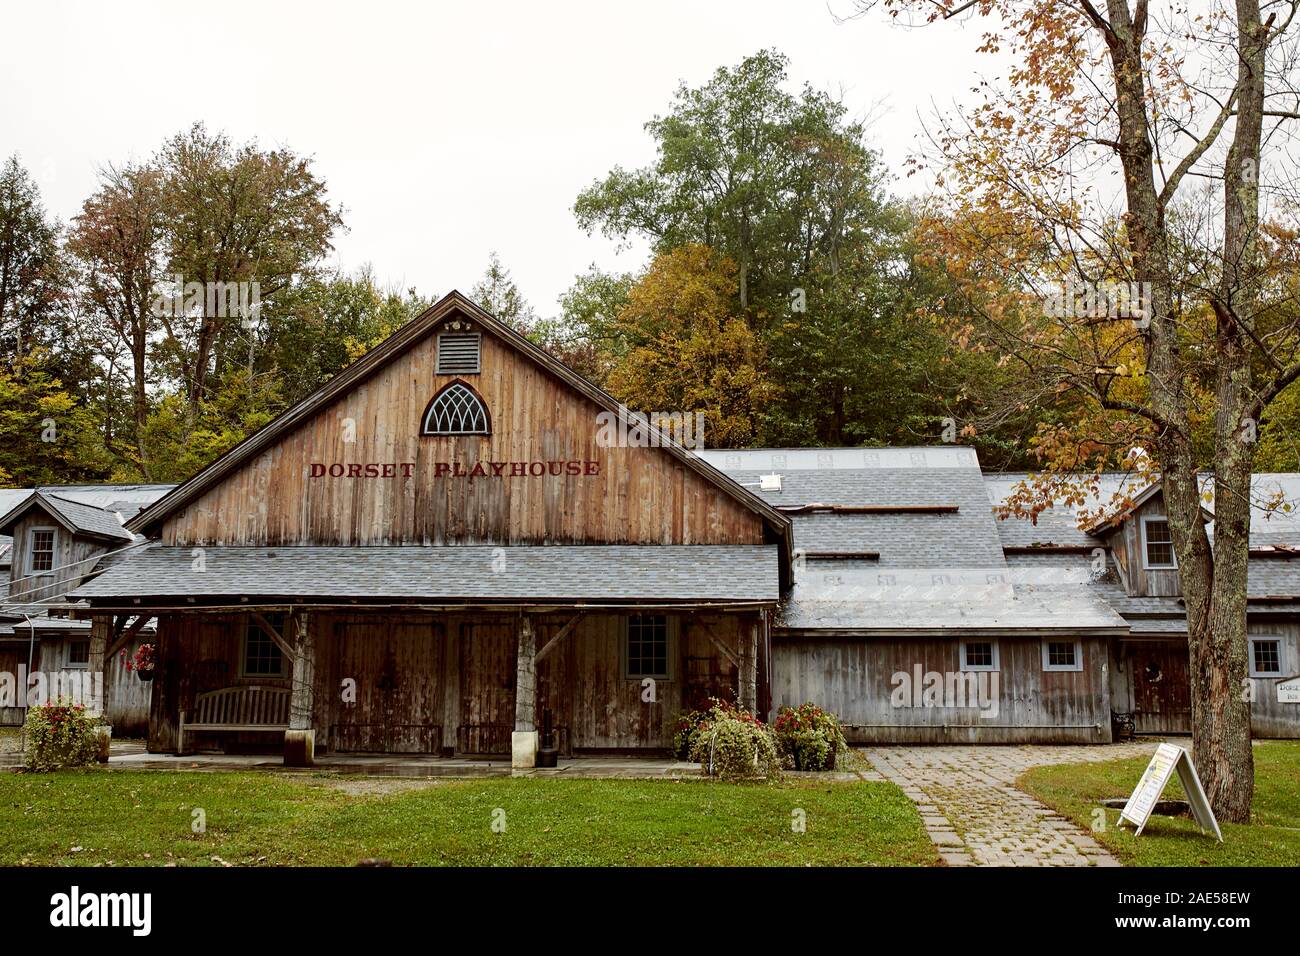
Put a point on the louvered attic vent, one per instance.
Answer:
(458, 353)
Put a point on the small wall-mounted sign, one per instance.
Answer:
(1155, 778)
(1288, 691)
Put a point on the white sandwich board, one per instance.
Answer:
(1164, 762)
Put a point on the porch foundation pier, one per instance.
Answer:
(747, 692)
(523, 742)
(300, 738)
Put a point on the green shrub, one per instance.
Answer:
(809, 737)
(61, 735)
(734, 745)
(688, 724)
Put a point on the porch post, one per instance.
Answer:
(747, 692)
(101, 627)
(523, 742)
(300, 738)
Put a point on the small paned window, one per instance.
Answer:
(42, 550)
(1159, 543)
(79, 654)
(1265, 657)
(979, 656)
(647, 646)
(262, 655)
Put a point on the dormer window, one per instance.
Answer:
(1157, 545)
(459, 353)
(456, 410)
(42, 551)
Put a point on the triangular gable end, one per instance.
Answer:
(52, 510)
(1105, 525)
(669, 494)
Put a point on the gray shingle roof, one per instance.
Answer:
(88, 518)
(127, 499)
(78, 516)
(1059, 525)
(859, 599)
(883, 477)
(742, 573)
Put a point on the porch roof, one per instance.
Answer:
(746, 574)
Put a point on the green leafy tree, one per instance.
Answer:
(32, 272)
(46, 435)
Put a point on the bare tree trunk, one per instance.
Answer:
(1220, 697)
(1215, 597)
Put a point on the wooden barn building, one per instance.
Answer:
(442, 551)
(52, 539)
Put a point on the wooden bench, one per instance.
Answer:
(248, 707)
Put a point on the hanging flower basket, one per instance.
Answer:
(142, 662)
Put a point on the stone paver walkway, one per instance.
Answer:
(976, 816)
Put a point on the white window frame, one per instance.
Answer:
(31, 550)
(670, 650)
(997, 657)
(79, 665)
(1146, 563)
(1252, 640)
(1047, 656)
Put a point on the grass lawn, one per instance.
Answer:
(142, 817)
(1271, 839)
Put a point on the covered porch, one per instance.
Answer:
(491, 660)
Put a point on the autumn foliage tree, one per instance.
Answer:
(689, 349)
(1120, 213)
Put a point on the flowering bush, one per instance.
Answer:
(61, 735)
(142, 661)
(688, 724)
(735, 745)
(809, 737)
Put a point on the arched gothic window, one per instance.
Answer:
(456, 410)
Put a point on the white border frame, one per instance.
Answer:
(976, 668)
(1146, 564)
(1067, 668)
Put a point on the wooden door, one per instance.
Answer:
(487, 689)
(1162, 700)
(397, 667)
(11, 659)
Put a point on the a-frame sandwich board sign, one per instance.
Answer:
(1167, 759)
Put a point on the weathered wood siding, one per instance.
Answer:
(70, 564)
(446, 683)
(127, 697)
(854, 677)
(1268, 716)
(641, 495)
(126, 703)
(1129, 554)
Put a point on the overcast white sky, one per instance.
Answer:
(446, 130)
